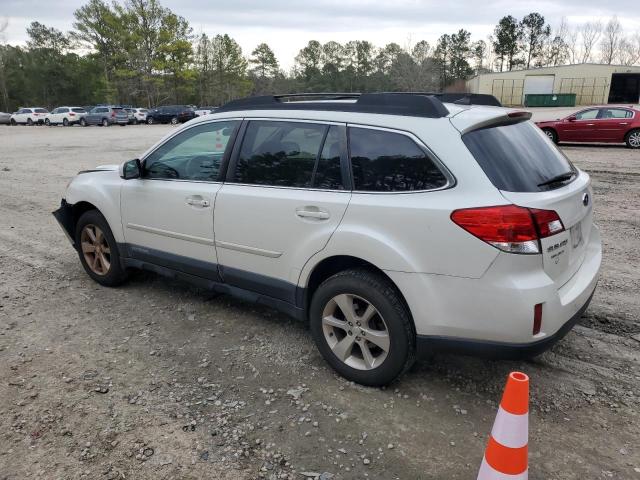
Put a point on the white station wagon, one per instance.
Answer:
(395, 224)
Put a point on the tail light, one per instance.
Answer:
(509, 228)
(113, 113)
(71, 114)
(537, 318)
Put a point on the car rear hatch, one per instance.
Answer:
(121, 114)
(531, 172)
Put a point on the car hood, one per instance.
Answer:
(110, 167)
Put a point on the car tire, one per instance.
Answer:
(361, 290)
(29, 122)
(103, 264)
(174, 120)
(83, 122)
(47, 122)
(149, 120)
(105, 122)
(65, 122)
(551, 133)
(13, 122)
(632, 138)
(135, 121)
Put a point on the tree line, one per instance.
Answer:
(141, 53)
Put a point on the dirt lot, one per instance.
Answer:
(158, 380)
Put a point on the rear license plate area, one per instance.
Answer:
(576, 235)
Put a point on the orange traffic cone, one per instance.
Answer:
(506, 456)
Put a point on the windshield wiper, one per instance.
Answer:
(563, 177)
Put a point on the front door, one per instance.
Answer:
(285, 195)
(582, 129)
(167, 215)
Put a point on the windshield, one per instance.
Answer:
(519, 158)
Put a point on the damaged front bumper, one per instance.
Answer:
(64, 216)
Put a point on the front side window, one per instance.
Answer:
(587, 114)
(384, 161)
(280, 154)
(195, 154)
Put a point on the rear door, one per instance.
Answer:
(520, 161)
(613, 123)
(284, 196)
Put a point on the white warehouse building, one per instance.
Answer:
(591, 83)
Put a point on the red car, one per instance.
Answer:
(606, 124)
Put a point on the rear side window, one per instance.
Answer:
(79, 110)
(280, 154)
(41, 110)
(517, 157)
(384, 161)
(615, 113)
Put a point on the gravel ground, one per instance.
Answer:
(159, 380)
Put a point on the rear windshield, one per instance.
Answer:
(518, 157)
(117, 110)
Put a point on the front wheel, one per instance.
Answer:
(98, 250)
(83, 122)
(150, 121)
(29, 122)
(632, 139)
(362, 327)
(47, 122)
(13, 122)
(549, 132)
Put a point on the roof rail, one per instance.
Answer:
(461, 98)
(392, 103)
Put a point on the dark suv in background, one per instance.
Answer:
(173, 114)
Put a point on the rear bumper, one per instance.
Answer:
(426, 344)
(496, 311)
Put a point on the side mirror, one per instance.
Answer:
(572, 118)
(131, 169)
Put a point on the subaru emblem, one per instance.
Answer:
(585, 199)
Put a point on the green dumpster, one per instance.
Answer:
(550, 100)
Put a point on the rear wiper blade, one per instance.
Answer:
(558, 178)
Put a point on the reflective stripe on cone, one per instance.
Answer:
(487, 472)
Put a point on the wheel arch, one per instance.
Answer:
(331, 265)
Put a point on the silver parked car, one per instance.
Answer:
(5, 118)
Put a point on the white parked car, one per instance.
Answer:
(394, 224)
(204, 110)
(65, 116)
(140, 115)
(29, 116)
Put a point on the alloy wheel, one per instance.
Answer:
(95, 249)
(355, 332)
(549, 134)
(634, 139)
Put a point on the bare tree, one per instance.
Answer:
(612, 37)
(573, 47)
(589, 34)
(628, 52)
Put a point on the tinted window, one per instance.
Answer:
(518, 157)
(78, 110)
(328, 174)
(390, 162)
(279, 153)
(63, 110)
(41, 110)
(615, 113)
(587, 115)
(194, 154)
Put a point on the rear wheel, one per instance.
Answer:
(83, 122)
(29, 122)
(65, 122)
(174, 121)
(551, 133)
(632, 139)
(98, 250)
(105, 122)
(362, 327)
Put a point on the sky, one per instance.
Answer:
(287, 25)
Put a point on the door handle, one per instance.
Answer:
(590, 124)
(624, 123)
(196, 202)
(312, 212)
